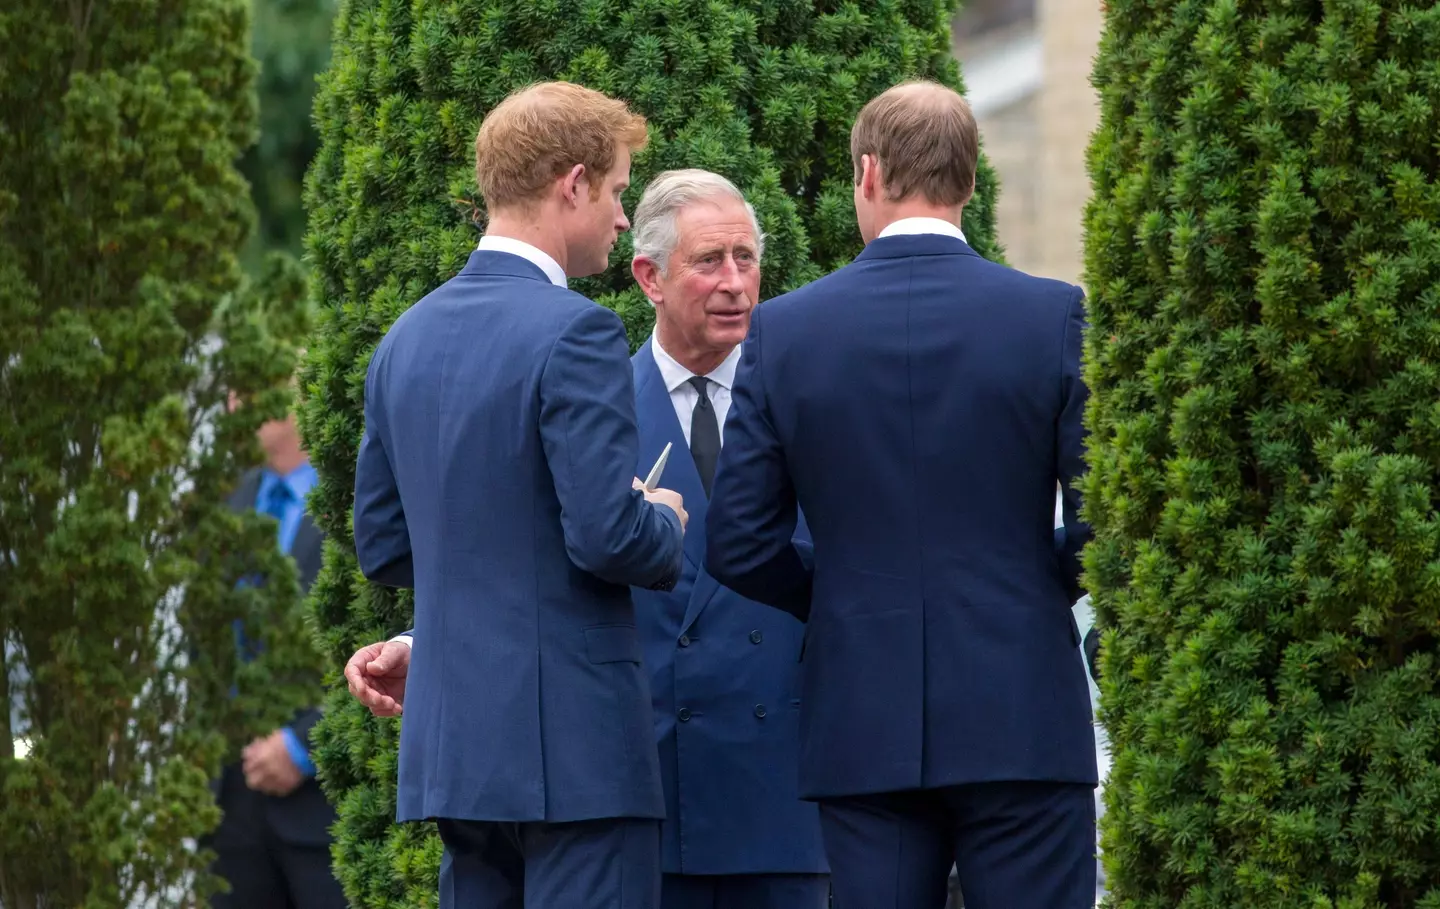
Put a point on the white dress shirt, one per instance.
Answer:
(922, 226)
(532, 254)
(683, 394)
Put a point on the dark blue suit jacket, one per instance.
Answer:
(724, 675)
(495, 477)
(919, 405)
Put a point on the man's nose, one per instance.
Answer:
(730, 280)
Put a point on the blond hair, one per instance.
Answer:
(539, 133)
(925, 139)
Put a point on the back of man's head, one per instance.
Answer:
(539, 133)
(925, 140)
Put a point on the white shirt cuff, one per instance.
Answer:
(402, 639)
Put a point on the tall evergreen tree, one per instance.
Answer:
(126, 328)
(291, 43)
(1263, 257)
(763, 92)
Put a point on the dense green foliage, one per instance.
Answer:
(126, 326)
(1263, 258)
(763, 92)
(291, 42)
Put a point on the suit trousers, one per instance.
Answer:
(611, 863)
(1017, 845)
(745, 891)
(264, 867)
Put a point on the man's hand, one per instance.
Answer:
(268, 767)
(671, 498)
(376, 675)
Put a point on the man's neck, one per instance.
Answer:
(532, 230)
(900, 211)
(286, 461)
(699, 362)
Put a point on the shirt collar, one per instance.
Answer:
(922, 226)
(532, 254)
(300, 480)
(676, 375)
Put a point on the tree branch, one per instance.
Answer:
(80, 15)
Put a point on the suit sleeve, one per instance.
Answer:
(751, 522)
(588, 430)
(382, 538)
(1070, 448)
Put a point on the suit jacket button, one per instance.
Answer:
(684, 640)
(684, 714)
(756, 637)
(760, 710)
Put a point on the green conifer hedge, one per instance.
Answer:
(763, 92)
(124, 325)
(1263, 261)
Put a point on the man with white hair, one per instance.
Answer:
(723, 668)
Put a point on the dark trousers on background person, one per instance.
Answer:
(271, 854)
(745, 891)
(610, 863)
(1015, 845)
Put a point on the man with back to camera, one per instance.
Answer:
(722, 668)
(920, 405)
(495, 477)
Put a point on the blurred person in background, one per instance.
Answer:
(273, 844)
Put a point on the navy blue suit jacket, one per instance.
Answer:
(724, 675)
(919, 404)
(495, 477)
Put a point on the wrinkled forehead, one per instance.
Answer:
(715, 222)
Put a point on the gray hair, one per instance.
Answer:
(654, 233)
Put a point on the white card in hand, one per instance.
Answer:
(658, 469)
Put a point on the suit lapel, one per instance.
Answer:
(659, 424)
(245, 491)
(306, 551)
(655, 415)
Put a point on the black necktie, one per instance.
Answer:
(704, 434)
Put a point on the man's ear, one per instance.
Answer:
(647, 275)
(869, 176)
(573, 183)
